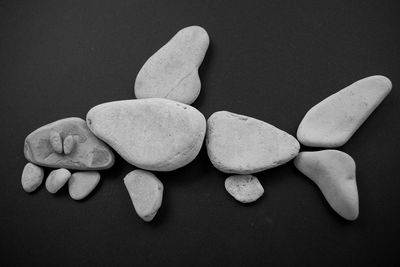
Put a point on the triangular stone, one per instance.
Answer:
(244, 145)
(146, 193)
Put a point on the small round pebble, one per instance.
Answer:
(244, 188)
(82, 183)
(32, 177)
(57, 179)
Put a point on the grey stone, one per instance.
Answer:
(89, 152)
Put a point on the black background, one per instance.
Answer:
(272, 60)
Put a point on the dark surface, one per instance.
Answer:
(272, 60)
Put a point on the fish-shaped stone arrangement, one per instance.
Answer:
(160, 131)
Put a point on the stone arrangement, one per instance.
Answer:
(160, 131)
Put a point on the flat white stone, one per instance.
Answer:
(57, 179)
(334, 172)
(244, 145)
(146, 193)
(334, 120)
(153, 134)
(172, 72)
(81, 184)
(32, 177)
(244, 188)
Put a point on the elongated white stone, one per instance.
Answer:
(244, 188)
(146, 193)
(334, 172)
(154, 134)
(334, 120)
(243, 145)
(172, 72)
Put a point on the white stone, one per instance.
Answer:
(172, 72)
(81, 184)
(244, 145)
(334, 120)
(334, 172)
(146, 193)
(244, 188)
(57, 179)
(153, 134)
(32, 177)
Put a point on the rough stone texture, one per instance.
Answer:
(172, 72)
(243, 145)
(334, 120)
(81, 184)
(32, 177)
(335, 174)
(57, 179)
(146, 193)
(154, 134)
(69, 144)
(89, 153)
(244, 188)
(56, 141)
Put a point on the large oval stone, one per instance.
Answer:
(172, 72)
(154, 134)
(335, 119)
(89, 153)
(244, 145)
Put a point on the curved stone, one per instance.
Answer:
(334, 120)
(81, 184)
(89, 152)
(244, 188)
(244, 145)
(153, 134)
(172, 72)
(146, 193)
(57, 179)
(334, 172)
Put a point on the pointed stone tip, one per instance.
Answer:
(351, 217)
(197, 30)
(386, 80)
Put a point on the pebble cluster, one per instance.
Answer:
(160, 131)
